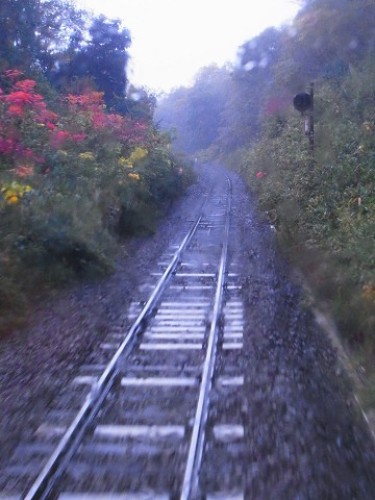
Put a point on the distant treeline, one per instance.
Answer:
(323, 202)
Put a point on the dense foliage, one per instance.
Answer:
(321, 202)
(82, 164)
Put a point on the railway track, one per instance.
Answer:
(157, 412)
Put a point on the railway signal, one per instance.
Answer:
(304, 103)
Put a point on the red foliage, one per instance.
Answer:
(21, 97)
(122, 128)
(25, 85)
(98, 120)
(15, 110)
(13, 74)
(134, 132)
(90, 101)
(260, 175)
(7, 146)
(28, 153)
(23, 108)
(78, 137)
(59, 137)
(48, 117)
(24, 170)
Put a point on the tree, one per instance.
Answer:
(102, 59)
(18, 40)
(139, 104)
(250, 91)
(326, 39)
(33, 31)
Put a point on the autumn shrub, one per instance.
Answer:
(72, 181)
(156, 178)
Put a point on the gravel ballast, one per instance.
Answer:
(307, 437)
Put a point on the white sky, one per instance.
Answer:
(172, 39)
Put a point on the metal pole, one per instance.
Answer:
(311, 116)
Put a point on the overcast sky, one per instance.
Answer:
(172, 39)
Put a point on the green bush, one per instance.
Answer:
(324, 206)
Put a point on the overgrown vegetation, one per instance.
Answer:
(322, 204)
(82, 165)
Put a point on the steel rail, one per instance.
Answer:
(56, 464)
(191, 476)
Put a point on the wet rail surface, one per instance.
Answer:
(157, 411)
